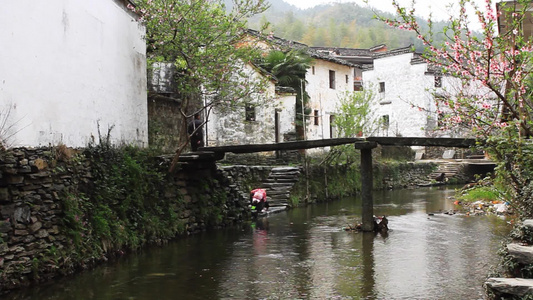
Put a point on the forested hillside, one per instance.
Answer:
(335, 25)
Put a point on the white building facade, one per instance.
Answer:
(404, 91)
(327, 82)
(68, 67)
(265, 120)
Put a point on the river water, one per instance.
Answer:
(305, 254)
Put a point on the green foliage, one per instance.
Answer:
(337, 25)
(514, 156)
(202, 40)
(483, 193)
(126, 210)
(354, 118)
(355, 114)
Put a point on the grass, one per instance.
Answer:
(480, 193)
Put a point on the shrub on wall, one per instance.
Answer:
(122, 207)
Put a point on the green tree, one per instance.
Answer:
(203, 41)
(354, 118)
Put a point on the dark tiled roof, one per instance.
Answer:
(286, 45)
(344, 51)
(398, 51)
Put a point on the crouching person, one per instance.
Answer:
(258, 198)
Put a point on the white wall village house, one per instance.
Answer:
(68, 65)
(266, 120)
(404, 88)
(328, 80)
(274, 120)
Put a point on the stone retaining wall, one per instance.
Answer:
(35, 228)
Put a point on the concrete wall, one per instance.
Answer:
(67, 66)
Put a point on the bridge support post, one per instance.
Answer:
(367, 183)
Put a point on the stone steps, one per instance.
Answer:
(522, 254)
(279, 184)
(513, 286)
(450, 170)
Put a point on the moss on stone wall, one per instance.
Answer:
(59, 212)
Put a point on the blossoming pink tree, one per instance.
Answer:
(495, 61)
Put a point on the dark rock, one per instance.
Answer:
(522, 254)
(5, 227)
(20, 232)
(22, 214)
(513, 286)
(4, 194)
(15, 179)
(35, 227)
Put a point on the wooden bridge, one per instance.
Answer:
(364, 144)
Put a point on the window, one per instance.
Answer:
(331, 79)
(382, 87)
(316, 117)
(250, 113)
(438, 81)
(347, 77)
(313, 70)
(385, 121)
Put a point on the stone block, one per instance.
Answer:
(22, 214)
(24, 169)
(28, 239)
(448, 154)
(42, 233)
(15, 179)
(40, 164)
(514, 286)
(16, 249)
(5, 226)
(4, 194)
(3, 249)
(21, 232)
(522, 254)
(35, 227)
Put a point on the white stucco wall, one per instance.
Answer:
(407, 88)
(323, 98)
(228, 126)
(67, 65)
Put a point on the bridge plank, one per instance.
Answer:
(295, 145)
(421, 141)
(385, 141)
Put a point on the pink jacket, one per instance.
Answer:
(259, 194)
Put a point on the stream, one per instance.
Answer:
(305, 254)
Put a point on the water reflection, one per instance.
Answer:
(304, 254)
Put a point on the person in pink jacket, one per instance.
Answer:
(258, 198)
